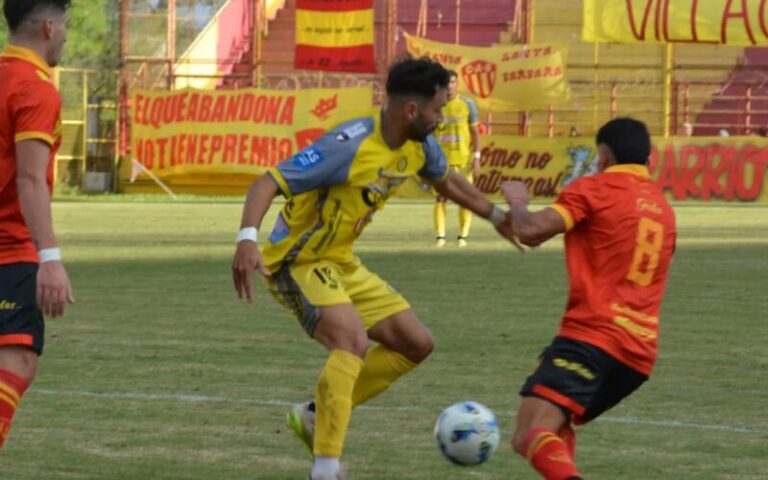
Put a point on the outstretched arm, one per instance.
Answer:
(531, 228)
(458, 189)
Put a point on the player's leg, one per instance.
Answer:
(465, 216)
(403, 343)
(315, 294)
(341, 331)
(568, 380)
(439, 217)
(21, 338)
(537, 439)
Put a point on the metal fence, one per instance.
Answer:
(88, 156)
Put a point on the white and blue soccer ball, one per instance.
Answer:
(467, 433)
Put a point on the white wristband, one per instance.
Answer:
(248, 233)
(497, 216)
(476, 155)
(49, 255)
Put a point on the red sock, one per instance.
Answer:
(12, 387)
(568, 435)
(549, 455)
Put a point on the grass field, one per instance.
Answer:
(158, 372)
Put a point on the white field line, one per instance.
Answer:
(285, 403)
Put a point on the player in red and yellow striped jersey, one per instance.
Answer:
(619, 241)
(33, 280)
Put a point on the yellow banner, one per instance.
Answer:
(502, 77)
(243, 132)
(726, 22)
(703, 168)
(334, 29)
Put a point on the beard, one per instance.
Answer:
(419, 131)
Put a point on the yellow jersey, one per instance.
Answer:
(335, 186)
(459, 115)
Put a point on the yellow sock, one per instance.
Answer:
(439, 219)
(465, 220)
(380, 370)
(333, 399)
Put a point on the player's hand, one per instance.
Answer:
(515, 192)
(54, 291)
(507, 230)
(247, 259)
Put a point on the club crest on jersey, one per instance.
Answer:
(351, 132)
(308, 158)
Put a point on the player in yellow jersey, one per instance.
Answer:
(459, 137)
(334, 188)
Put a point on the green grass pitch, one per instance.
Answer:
(158, 372)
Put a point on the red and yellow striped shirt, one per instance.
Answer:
(618, 246)
(30, 109)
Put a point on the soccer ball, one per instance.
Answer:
(467, 433)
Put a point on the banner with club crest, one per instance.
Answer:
(502, 78)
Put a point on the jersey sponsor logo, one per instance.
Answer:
(376, 193)
(450, 138)
(635, 329)
(308, 158)
(6, 305)
(280, 231)
(352, 132)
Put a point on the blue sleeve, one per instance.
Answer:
(435, 166)
(323, 164)
(473, 116)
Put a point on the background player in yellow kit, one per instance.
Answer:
(460, 139)
(334, 188)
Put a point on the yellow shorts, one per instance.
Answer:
(304, 288)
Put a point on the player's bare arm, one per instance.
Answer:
(54, 290)
(531, 228)
(247, 256)
(457, 188)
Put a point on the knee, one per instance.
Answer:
(426, 347)
(420, 348)
(356, 344)
(19, 360)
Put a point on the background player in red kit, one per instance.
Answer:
(33, 280)
(619, 242)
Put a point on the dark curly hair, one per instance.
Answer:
(419, 77)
